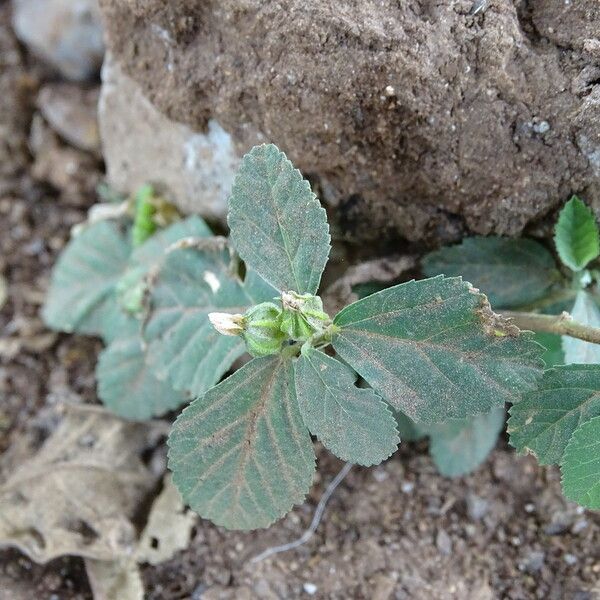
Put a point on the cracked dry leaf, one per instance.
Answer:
(78, 494)
(168, 529)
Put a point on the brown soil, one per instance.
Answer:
(398, 531)
(422, 119)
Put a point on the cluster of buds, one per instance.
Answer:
(267, 327)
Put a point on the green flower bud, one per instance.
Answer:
(302, 316)
(262, 329)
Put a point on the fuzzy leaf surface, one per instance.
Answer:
(434, 350)
(511, 272)
(277, 224)
(354, 423)
(544, 421)
(459, 447)
(81, 294)
(585, 310)
(576, 235)
(241, 455)
(184, 348)
(126, 383)
(153, 248)
(580, 465)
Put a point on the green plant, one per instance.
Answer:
(241, 452)
(98, 287)
(558, 421)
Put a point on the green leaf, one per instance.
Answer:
(407, 428)
(127, 385)
(434, 350)
(81, 294)
(544, 421)
(241, 455)
(184, 348)
(580, 465)
(354, 423)
(154, 247)
(552, 344)
(576, 235)
(459, 447)
(277, 224)
(585, 310)
(511, 272)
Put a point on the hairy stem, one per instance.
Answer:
(562, 324)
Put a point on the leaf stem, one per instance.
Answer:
(562, 324)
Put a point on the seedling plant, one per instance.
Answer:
(237, 324)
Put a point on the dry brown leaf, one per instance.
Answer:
(169, 527)
(114, 580)
(78, 494)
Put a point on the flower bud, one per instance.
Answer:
(226, 323)
(262, 329)
(302, 315)
(131, 289)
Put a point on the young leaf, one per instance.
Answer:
(580, 465)
(585, 310)
(277, 224)
(511, 272)
(81, 295)
(354, 423)
(127, 385)
(434, 350)
(241, 455)
(459, 447)
(184, 348)
(544, 421)
(576, 235)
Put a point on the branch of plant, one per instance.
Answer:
(562, 324)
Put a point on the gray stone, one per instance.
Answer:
(65, 33)
(141, 145)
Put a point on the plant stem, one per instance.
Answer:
(562, 324)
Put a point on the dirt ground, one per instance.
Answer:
(398, 531)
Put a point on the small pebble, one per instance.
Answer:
(534, 562)
(407, 487)
(476, 507)
(443, 543)
(310, 588)
(570, 559)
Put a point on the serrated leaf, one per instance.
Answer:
(277, 224)
(552, 344)
(576, 235)
(434, 350)
(585, 310)
(241, 455)
(580, 465)
(126, 383)
(184, 348)
(409, 430)
(458, 447)
(511, 272)
(81, 294)
(354, 423)
(545, 419)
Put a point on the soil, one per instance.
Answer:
(398, 531)
(421, 119)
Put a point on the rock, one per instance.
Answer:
(416, 118)
(65, 33)
(476, 507)
(195, 170)
(534, 561)
(443, 542)
(72, 112)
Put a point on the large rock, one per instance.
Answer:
(420, 118)
(141, 145)
(65, 33)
